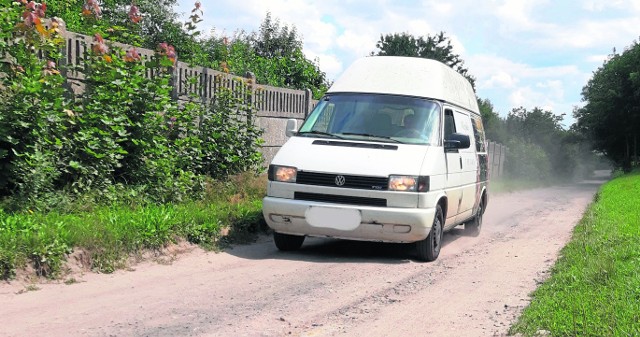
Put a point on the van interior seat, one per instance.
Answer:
(380, 124)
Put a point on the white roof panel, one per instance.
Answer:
(408, 76)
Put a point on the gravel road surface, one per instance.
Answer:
(477, 287)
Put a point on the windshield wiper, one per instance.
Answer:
(372, 136)
(320, 133)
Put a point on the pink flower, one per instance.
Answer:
(132, 55)
(50, 68)
(91, 7)
(33, 13)
(134, 14)
(99, 47)
(29, 18)
(168, 50)
(41, 9)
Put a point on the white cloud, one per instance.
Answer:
(501, 79)
(601, 5)
(516, 15)
(492, 70)
(599, 59)
(583, 34)
(319, 36)
(330, 64)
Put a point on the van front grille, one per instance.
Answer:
(340, 199)
(346, 181)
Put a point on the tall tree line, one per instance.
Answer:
(611, 114)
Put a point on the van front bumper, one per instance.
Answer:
(384, 224)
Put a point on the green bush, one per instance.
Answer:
(124, 134)
(229, 135)
(33, 121)
(527, 160)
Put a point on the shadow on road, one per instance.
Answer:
(326, 250)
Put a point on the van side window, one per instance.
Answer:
(449, 124)
(478, 133)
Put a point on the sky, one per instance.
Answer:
(523, 53)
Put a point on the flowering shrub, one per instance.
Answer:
(124, 131)
(33, 121)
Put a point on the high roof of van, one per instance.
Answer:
(407, 76)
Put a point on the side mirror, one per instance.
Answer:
(457, 141)
(292, 127)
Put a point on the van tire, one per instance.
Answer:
(473, 226)
(429, 248)
(287, 242)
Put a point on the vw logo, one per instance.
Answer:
(340, 180)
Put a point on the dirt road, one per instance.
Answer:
(476, 288)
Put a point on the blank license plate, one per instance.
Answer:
(337, 218)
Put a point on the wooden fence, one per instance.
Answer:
(497, 156)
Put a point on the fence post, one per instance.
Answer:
(503, 156)
(308, 102)
(492, 160)
(173, 82)
(251, 77)
(64, 61)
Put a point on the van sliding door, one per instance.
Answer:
(468, 164)
(454, 182)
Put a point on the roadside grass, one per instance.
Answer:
(111, 235)
(594, 288)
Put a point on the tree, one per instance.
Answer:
(142, 23)
(611, 115)
(493, 125)
(274, 40)
(274, 55)
(437, 47)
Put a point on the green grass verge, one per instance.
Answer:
(110, 235)
(594, 288)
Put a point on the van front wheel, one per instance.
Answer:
(429, 248)
(287, 242)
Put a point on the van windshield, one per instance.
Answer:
(375, 117)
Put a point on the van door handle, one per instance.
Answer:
(461, 162)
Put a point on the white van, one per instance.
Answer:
(395, 152)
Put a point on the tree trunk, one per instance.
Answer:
(635, 149)
(626, 164)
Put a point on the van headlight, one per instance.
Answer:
(286, 174)
(409, 183)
